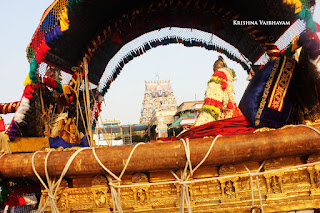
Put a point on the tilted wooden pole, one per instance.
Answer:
(292, 141)
(87, 101)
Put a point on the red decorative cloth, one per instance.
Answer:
(231, 126)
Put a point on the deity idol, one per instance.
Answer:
(219, 102)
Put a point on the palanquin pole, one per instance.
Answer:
(291, 141)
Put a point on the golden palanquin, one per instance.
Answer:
(290, 189)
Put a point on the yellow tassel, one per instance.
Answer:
(28, 81)
(295, 45)
(66, 90)
(297, 5)
(64, 20)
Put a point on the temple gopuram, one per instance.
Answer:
(158, 96)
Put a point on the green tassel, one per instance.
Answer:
(33, 71)
(302, 13)
(310, 23)
(59, 88)
(305, 14)
(72, 4)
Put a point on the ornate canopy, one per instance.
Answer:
(72, 29)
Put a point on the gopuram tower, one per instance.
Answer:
(158, 96)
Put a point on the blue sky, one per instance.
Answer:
(19, 20)
(188, 68)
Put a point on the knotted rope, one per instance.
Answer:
(258, 185)
(184, 194)
(53, 185)
(116, 195)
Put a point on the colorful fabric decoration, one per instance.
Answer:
(22, 198)
(310, 41)
(32, 77)
(72, 4)
(57, 142)
(15, 201)
(9, 107)
(64, 20)
(66, 90)
(27, 81)
(50, 82)
(272, 51)
(23, 193)
(306, 15)
(302, 11)
(22, 110)
(54, 22)
(12, 130)
(267, 99)
(296, 3)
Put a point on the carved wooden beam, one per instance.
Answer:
(292, 141)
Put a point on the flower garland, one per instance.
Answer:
(219, 77)
(219, 100)
(212, 107)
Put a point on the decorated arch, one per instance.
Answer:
(71, 30)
